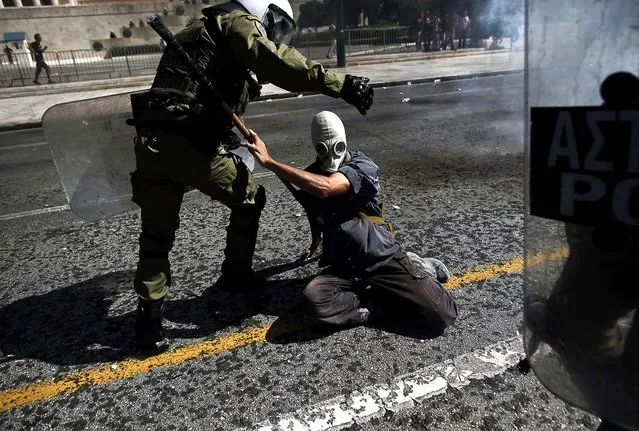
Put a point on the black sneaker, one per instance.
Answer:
(245, 282)
(149, 333)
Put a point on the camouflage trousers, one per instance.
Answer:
(165, 166)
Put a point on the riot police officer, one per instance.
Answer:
(182, 137)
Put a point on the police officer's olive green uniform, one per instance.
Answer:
(180, 132)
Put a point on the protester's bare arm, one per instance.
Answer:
(318, 185)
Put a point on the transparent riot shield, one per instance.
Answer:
(582, 204)
(93, 151)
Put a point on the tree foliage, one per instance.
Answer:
(317, 13)
(314, 14)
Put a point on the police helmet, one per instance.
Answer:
(276, 16)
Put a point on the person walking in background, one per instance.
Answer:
(332, 30)
(516, 21)
(441, 31)
(420, 33)
(9, 53)
(427, 30)
(436, 33)
(464, 25)
(38, 54)
(451, 25)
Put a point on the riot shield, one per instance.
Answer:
(93, 151)
(582, 200)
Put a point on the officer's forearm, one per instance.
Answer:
(317, 185)
(287, 68)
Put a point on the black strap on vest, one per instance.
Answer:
(211, 12)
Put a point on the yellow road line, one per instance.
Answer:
(70, 383)
(120, 370)
(508, 267)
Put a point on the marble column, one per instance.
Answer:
(17, 3)
(36, 3)
(54, 3)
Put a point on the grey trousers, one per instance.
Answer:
(397, 287)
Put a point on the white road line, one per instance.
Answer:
(404, 392)
(35, 212)
(263, 175)
(295, 111)
(13, 147)
(67, 207)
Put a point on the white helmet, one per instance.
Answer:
(276, 16)
(329, 140)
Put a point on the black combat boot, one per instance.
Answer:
(149, 333)
(238, 275)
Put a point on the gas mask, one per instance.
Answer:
(329, 140)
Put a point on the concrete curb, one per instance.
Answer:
(20, 126)
(288, 95)
(72, 87)
(418, 56)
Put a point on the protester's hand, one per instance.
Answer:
(358, 93)
(258, 149)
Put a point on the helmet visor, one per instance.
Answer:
(279, 26)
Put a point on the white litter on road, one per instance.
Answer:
(406, 100)
(404, 392)
(395, 207)
(438, 81)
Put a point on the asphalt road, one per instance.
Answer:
(451, 160)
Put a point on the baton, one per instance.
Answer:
(156, 24)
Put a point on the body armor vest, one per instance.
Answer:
(182, 94)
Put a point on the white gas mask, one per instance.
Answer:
(329, 140)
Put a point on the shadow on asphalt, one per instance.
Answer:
(297, 327)
(76, 324)
(71, 325)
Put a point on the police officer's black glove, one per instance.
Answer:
(357, 92)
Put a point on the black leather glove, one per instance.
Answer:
(357, 92)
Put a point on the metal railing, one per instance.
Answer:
(359, 41)
(80, 65)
